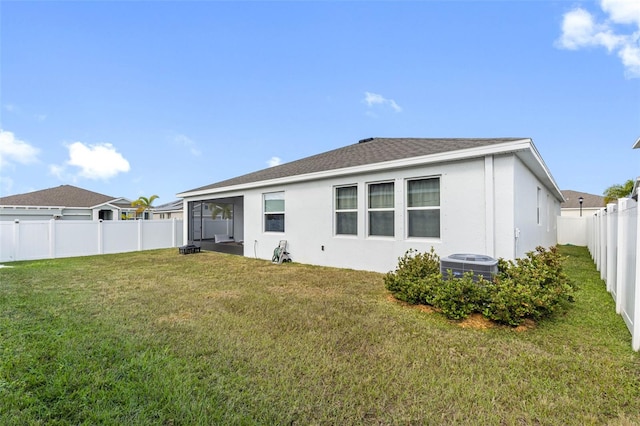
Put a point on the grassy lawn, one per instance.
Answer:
(159, 338)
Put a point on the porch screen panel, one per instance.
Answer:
(381, 214)
(423, 208)
(347, 210)
(195, 221)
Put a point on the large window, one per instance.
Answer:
(423, 207)
(347, 210)
(380, 208)
(274, 212)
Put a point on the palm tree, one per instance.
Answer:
(224, 210)
(614, 192)
(143, 203)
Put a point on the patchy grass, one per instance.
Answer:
(159, 338)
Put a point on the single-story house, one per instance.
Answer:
(572, 206)
(364, 205)
(64, 202)
(172, 210)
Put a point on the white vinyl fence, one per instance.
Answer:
(31, 240)
(613, 240)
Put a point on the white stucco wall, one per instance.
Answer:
(482, 202)
(309, 217)
(531, 195)
(504, 182)
(586, 212)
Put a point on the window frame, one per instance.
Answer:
(338, 211)
(437, 207)
(266, 213)
(370, 209)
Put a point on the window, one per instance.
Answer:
(274, 212)
(538, 207)
(381, 215)
(423, 208)
(346, 205)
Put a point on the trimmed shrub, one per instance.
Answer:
(531, 287)
(415, 277)
(460, 297)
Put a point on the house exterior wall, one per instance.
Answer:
(23, 213)
(536, 211)
(482, 203)
(309, 216)
(504, 181)
(586, 212)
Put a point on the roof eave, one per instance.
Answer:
(502, 148)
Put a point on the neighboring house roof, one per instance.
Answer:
(365, 153)
(168, 207)
(589, 200)
(62, 196)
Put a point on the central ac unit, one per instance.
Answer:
(461, 263)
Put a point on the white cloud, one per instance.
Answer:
(580, 29)
(622, 11)
(373, 99)
(274, 161)
(13, 150)
(187, 143)
(100, 161)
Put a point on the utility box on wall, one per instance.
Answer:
(461, 263)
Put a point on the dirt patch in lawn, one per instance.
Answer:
(474, 321)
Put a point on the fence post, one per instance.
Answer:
(173, 232)
(612, 247)
(52, 238)
(16, 239)
(603, 245)
(623, 242)
(635, 332)
(100, 237)
(140, 235)
(596, 242)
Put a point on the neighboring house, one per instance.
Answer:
(571, 206)
(364, 205)
(65, 202)
(172, 210)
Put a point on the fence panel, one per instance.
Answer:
(628, 266)
(76, 238)
(31, 240)
(34, 241)
(119, 236)
(613, 241)
(572, 230)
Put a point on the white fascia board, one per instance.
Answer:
(546, 172)
(108, 204)
(637, 144)
(503, 148)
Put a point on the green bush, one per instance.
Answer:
(531, 287)
(460, 297)
(415, 278)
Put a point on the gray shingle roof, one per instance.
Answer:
(61, 196)
(367, 151)
(589, 200)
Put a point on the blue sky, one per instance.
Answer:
(132, 99)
